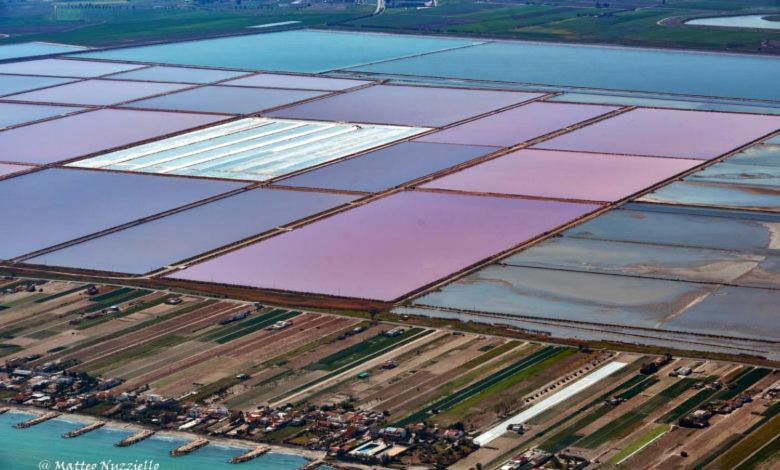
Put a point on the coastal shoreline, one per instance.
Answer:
(241, 444)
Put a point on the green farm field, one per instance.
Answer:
(133, 22)
(629, 22)
(653, 23)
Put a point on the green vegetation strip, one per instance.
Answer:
(623, 425)
(232, 327)
(42, 334)
(483, 385)
(532, 371)
(745, 379)
(742, 383)
(126, 296)
(356, 351)
(568, 435)
(407, 337)
(257, 390)
(22, 282)
(123, 313)
(769, 451)
(257, 324)
(283, 358)
(137, 352)
(736, 454)
(6, 349)
(10, 333)
(112, 294)
(145, 324)
(639, 444)
(493, 353)
(691, 404)
(769, 414)
(61, 294)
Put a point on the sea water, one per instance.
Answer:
(43, 447)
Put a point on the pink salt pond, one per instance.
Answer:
(667, 133)
(97, 92)
(405, 105)
(389, 247)
(564, 175)
(85, 133)
(519, 124)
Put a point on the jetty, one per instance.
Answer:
(84, 429)
(37, 420)
(135, 438)
(312, 465)
(251, 454)
(191, 446)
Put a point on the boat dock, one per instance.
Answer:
(84, 429)
(251, 454)
(135, 438)
(37, 420)
(189, 447)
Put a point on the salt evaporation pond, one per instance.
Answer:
(389, 247)
(289, 51)
(10, 84)
(66, 68)
(146, 247)
(178, 75)
(81, 134)
(740, 21)
(97, 92)
(12, 114)
(617, 68)
(225, 99)
(667, 133)
(32, 49)
(564, 175)
(711, 104)
(44, 442)
(76, 203)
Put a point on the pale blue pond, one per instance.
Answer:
(178, 75)
(710, 194)
(10, 84)
(649, 70)
(740, 231)
(741, 21)
(674, 263)
(26, 448)
(32, 49)
(709, 105)
(762, 155)
(12, 114)
(290, 51)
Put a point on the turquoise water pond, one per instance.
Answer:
(290, 51)
(681, 72)
(615, 68)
